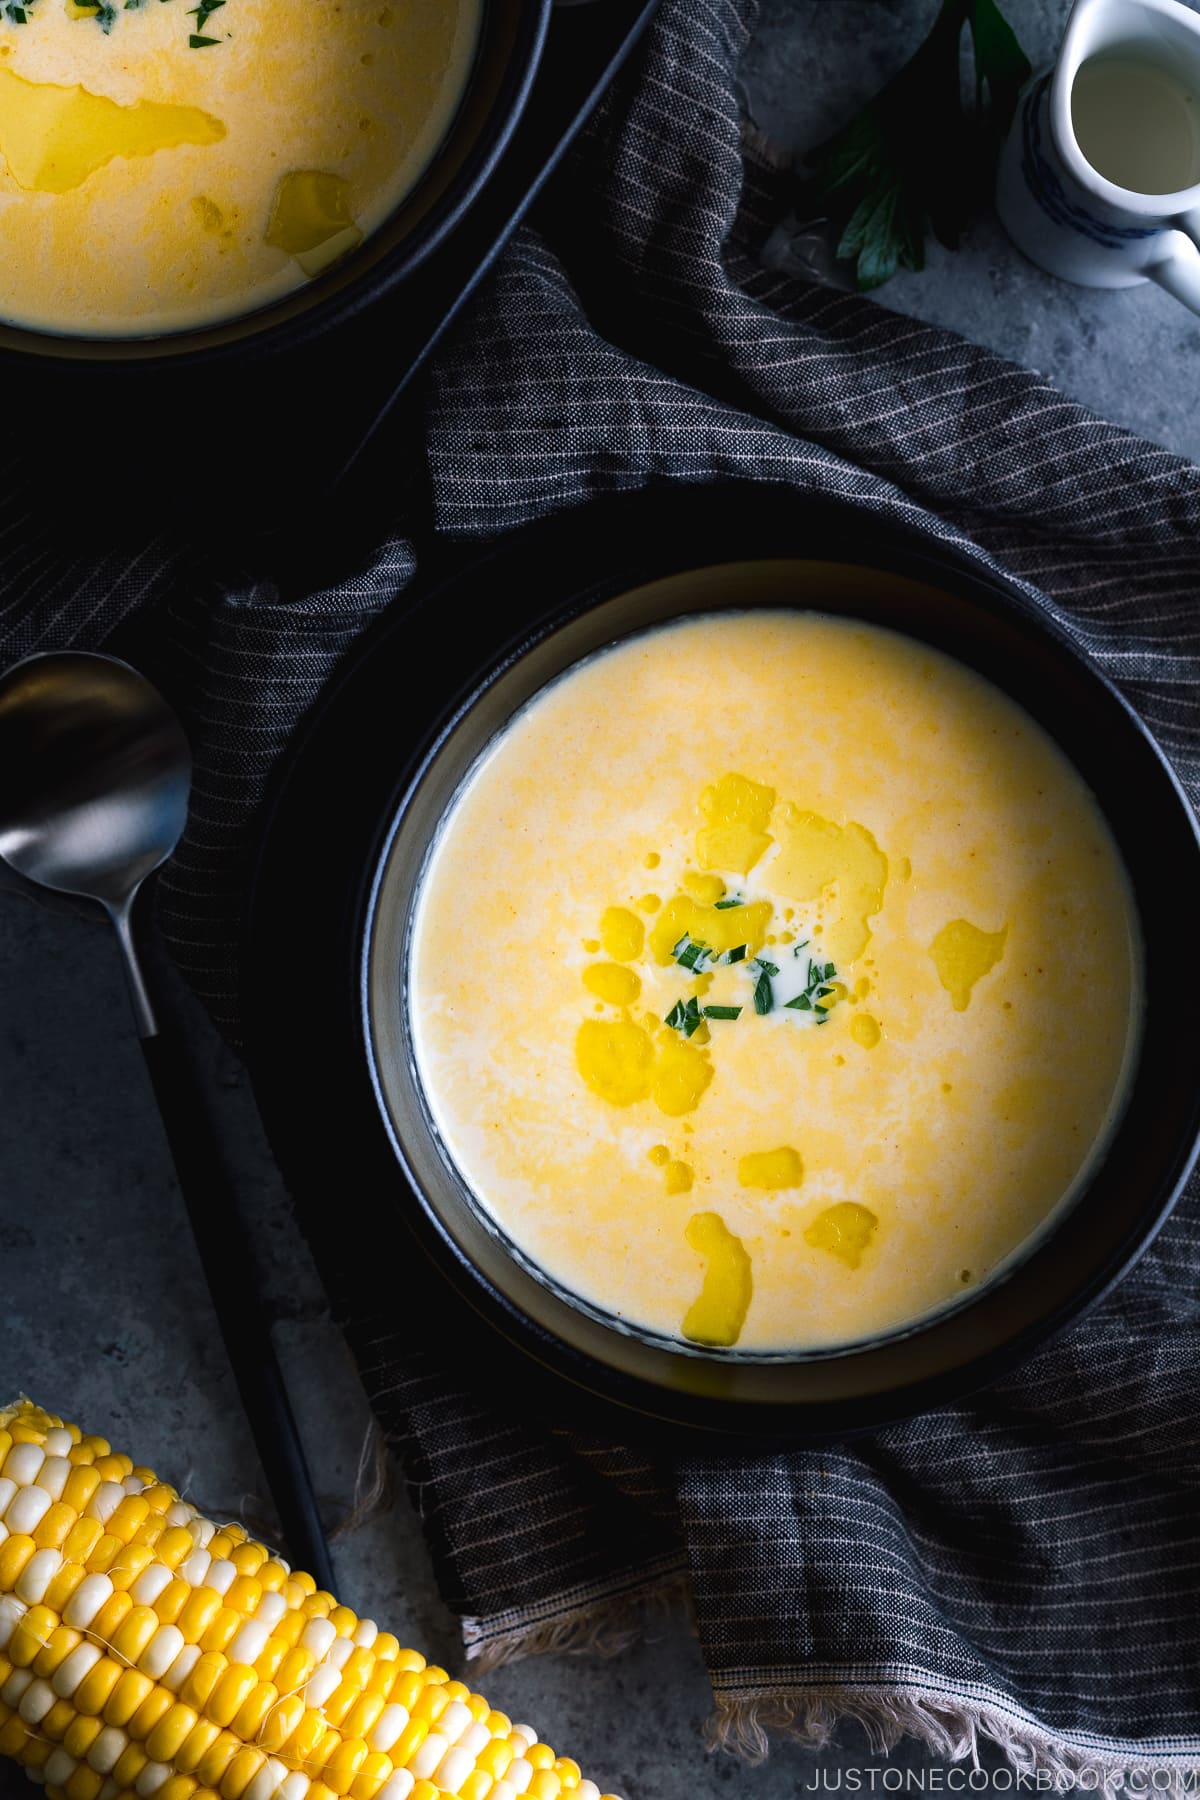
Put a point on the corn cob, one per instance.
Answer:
(146, 1652)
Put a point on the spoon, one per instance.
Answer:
(95, 772)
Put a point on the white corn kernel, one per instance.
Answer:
(161, 1652)
(503, 1790)
(36, 1701)
(59, 1441)
(270, 1610)
(454, 1721)
(7, 1490)
(527, 1735)
(294, 1785)
(23, 1462)
(60, 1766)
(4, 1531)
(320, 1686)
(520, 1773)
(221, 1575)
(86, 1601)
(365, 1633)
(151, 1779)
(249, 1643)
(36, 1576)
(180, 1513)
(195, 1567)
(203, 1530)
(105, 1748)
(109, 1791)
(476, 1738)
(15, 1686)
(53, 1475)
(10, 1611)
(388, 1726)
(428, 1754)
(72, 1669)
(105, 1501)
(150, 1583)
(398, 1786)
(317, 1637)
(587, 1790)
(27, 1508)
(181, 1668)
(133, 1484)
(340, 1653)
(265, 1784)
(453, 1769)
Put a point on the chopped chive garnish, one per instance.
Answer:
(195, 42)
(690, 954)
(801, 1003)
(722, 1012)
(675, 1017)
(736, 956)
(685, 1018)
(764, 994)
(760, 962)
(724, 905)
(797, 948)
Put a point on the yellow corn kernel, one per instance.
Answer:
(478, 1707)
(36, 1752)
(269, 1658)
(430, 1673)
(164, 1742)
(540, 1755)
(294, 1670)
(568, 1772)
(343, 1765)
(318, 1791)
(92, 1694)
(477, 1786)
(243, 1766)
(178, 1787)
(130, 1561)
(304, 1580)
(62, 1585)
(424, 1790)
(291, 1627)
(340, 1701)
(106, 1622)
(50, 1532)
(107, 1547)
(83, 1784)
(248, 1720)
(81, 1456)
(234, 1688)
(217, 1758)
(54, 1723)
(149, 1534)
(114, 1465)
(499, 1724)
(15, 1552)
(79, 1486)
(457, 1690)
(82, 1539)
(129, 1765)
(279, 1724)
(14, 1735)
(134, 1633)
(243, 1594)
(544, 1786)
(175, 1543)
(317, 1605)
(408, 1743)
(97, 1445)
(80, 1735)
(406, 1688)
(371, 1776)
(172, 1600)
(154, 1707)
(411, 1660)
(59, 1643)
(430, 1703)
(6, 1443)
(343, 1620)
(21, 1431)
(386, 1647)
(203, 1679)
(304, 1741)
(198, 1614)
(196, 1745)
(126, 1697)
(30, 1635)
(223, 1630)
(362, 1715)
(495, 1757)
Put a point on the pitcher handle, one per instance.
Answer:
(1178, 269)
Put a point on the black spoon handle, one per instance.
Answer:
(229, 1269)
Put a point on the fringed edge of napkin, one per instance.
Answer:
(601, 1622)
(948, 1724)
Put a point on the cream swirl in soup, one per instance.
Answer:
(773, 980)
(165, 166)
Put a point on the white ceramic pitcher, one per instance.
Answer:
(1056, 206)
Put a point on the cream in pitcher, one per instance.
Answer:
(1099, 180)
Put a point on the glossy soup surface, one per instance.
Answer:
(897, 878)
(151, 183)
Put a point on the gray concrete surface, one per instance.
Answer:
(105, 1314)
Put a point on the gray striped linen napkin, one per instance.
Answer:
(1024, 1567)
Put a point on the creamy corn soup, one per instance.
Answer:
(165, 165)
(772, 980)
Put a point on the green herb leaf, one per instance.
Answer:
(915, 159)
(801, 1003)
(797, 948)
(685, 1017)
(690, 953)
(722, 1012)
(675, 1017)
(201, 43)
(764, 994)
(736, 956)
(724, 905)
(760, 962)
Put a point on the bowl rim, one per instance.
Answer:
(730, 1412)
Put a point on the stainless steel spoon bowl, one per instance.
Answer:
(95, 772)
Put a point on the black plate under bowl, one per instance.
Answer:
(430, 684)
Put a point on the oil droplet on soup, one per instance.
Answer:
(311, 219)
(52, 138)
(810, 854)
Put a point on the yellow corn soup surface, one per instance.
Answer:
(147, 185)
(898, 1106)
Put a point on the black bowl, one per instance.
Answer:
(332, 1044)
(512, 36)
